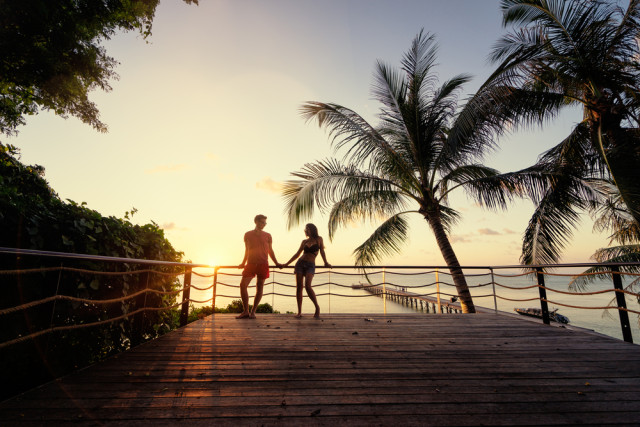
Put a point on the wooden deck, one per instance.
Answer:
(407, 369)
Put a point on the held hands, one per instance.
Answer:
(327, 265)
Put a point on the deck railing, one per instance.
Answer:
(486, 282)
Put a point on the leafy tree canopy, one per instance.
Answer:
(52, 55)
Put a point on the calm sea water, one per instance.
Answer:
(336, 295)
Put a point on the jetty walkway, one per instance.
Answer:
(401, 369)
(426, 303)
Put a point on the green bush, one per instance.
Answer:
(32, 216)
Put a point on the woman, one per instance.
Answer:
(305, 268)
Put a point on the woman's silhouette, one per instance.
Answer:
(305, 268)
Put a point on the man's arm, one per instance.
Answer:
(273, 255)
(246, 253)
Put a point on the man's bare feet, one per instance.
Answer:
(252, 316)
(317, 315)
(297, 316)
(243, 316)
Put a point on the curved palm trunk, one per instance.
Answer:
(624, 165)
(466, 302)
(621, 152)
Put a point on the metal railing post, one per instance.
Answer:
(438, 291)
(215, 289)
(384, 290)
(495, 299)
(186, 292)
(53, 313)
(273, 289)
(329, 291)
(622, 305)
(543, 297)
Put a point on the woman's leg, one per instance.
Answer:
(312, 295)
(299, 293)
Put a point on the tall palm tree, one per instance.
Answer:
(573, 53)
(422, 150)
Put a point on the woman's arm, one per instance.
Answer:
(324, 257)
(296, 255)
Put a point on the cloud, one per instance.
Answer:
(488, 232)
(171, 226)
(269, 185)
(166, 168)
(507, 231)
(214, 157)
(459, 239)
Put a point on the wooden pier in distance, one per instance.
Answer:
(426, 303)
(351, 369)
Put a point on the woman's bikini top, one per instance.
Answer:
(311, 249)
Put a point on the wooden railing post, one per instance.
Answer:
(215, 289)
(622, 305)
(186, 292)
(543, 297)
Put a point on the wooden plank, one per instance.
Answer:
(409, 369)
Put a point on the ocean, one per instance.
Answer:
(336, 294)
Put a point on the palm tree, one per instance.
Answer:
(421, 151)
(573, 53)
(612, 215)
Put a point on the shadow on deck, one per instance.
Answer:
(407, 369)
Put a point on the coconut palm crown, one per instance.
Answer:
(580, 53)
(421, 151)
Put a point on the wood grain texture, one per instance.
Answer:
(400, 369)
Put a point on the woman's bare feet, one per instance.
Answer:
(297, 316)
(243, 316)
(252, 316)
(317, 315)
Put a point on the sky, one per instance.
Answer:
(204, 123)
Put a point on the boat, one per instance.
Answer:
(536, 312)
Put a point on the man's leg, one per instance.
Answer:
(258, 297)
(244, 295)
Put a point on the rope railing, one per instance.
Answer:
(386, 289)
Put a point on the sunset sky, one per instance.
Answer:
(204, 123)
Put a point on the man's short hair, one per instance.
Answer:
(258, 218)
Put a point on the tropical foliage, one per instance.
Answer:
(32, 216)
(573, 53)
(612, 214)
(421, 151)
(52, 55)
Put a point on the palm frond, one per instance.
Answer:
(365, 205)
(616, 254)
(575, 152)
(449, 217)
(552, 224)
(363, 143)
(323, 183)
(611, 214)
(386, 240)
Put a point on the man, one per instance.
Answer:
(257, 249)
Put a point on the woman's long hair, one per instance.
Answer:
(312, 230)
